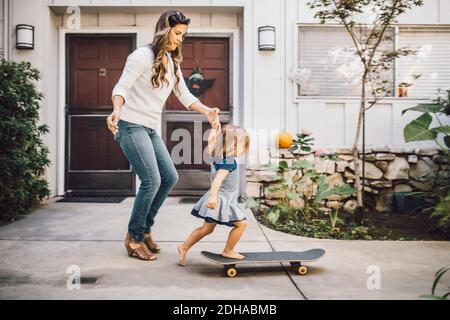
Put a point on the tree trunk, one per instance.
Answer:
(358, 187)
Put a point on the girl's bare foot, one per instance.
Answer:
(181, 255)
(232, 255)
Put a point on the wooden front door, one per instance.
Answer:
(185, 132)
(95, 164)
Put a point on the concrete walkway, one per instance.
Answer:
(37, 251)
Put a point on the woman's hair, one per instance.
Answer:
(159, 47)
(229, 140)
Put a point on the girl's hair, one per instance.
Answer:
(159, 47)
(229, 140)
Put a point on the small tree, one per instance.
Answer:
(23, 157)
(367, 22)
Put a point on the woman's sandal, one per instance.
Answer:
(151, 245)
(138, 249)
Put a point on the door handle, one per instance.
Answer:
(102, 72)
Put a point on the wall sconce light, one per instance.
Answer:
(24, 36)
(266, 38)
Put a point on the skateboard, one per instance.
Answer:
(295, 258)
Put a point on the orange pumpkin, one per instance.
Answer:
(284, 140)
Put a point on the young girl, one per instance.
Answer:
(220, 204)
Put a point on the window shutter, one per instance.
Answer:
(328, 64)
(432, 61)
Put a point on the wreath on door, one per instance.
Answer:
(196, 83)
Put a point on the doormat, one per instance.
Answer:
(93, 199)
(189, 199)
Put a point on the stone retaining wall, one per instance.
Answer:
(388, 170)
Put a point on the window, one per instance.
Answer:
(432, 61)
(328, 65)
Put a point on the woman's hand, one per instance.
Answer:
(212, 202)
(112, 121)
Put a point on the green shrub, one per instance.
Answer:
(23, 156)
(437, 201)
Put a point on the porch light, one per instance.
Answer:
(24, 36)
(266, 38)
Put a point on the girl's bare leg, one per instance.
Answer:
(233, 238)
(196, 236)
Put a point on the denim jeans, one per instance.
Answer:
(149, 157)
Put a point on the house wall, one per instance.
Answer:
(268, 95)
(333, 119)
(2, 18)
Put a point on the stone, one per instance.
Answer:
(308, 188)
(324, 166)
(286, 154)
(341, 165)
(345, 157)
(252, 189)
(369, 157)
(366, 150)
(444, 174)
(277, 194)
(309, 157)
(385, 156)
(381, 183)
(346, 151)
(383, 165)
(445, 167)
(401, 150)
(397, 169)
(441, 159)
(334, 205)
(350, 205)
(403, 188)
(349, 181)
(272, 202)
(293, 173)
(424, 170)
(384, 149)
(427, 152)
(325, 210)
(297, 204)
(349, 175)
(266, 176)
(335, 180)
(412, 158)
(370, 190)
(421, 185)
(371, 171)
(384, 201)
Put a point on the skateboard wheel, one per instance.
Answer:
(302, 270)
(231, 272)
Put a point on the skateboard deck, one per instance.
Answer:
(295, 258)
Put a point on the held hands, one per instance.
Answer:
(112, 121)
(212, 202)
(213, 117)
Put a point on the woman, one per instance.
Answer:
(149, 76)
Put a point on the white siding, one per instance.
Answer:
(2, 23)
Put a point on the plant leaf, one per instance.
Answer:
(426, 108)
(417, 130)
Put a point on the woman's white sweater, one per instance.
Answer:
(143, 103)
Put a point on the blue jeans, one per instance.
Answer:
(151, 160)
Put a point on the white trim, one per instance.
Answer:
(62, 90)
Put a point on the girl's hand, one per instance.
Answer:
(212, 202)
(112, 121)
(213, 116)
